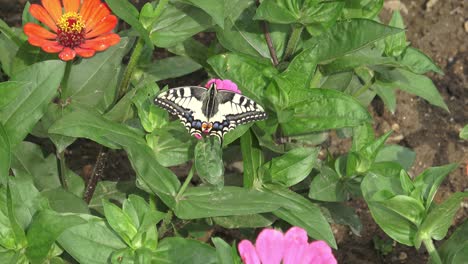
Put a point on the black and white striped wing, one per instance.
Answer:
(186, 103)
(234, 109)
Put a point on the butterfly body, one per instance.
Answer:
(209, 111)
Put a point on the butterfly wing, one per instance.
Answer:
(186, 103)
(233, 109)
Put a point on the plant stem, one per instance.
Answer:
(62, 169)
(130, 68)
(293, 40)
(186, 183)
(66, 76)
(434, 255)
(363, 89)
(98, 171)
(269, 42)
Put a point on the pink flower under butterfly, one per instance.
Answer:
(227, 85)
(272, 247)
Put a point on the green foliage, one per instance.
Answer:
(315, 66)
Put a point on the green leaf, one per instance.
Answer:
(245, 221)
(381, 181)
(25, 199)
(215, 10)
(362, 136)
(464, 132)
(184, 251)
(65, 202)
(209, 162)
(5, 156)
(412, 83)
(323, 109)
(128, 13)
(113, 191)
(8, 50)
(200, 202)
(9, 33)
(193, 49)
(28, 158)
(45, 228)
(347, 36)
(93, 242)
(362, 8)
(119, 221)
(343, 215)
(439, 219)
(299, 211)
(418, 62)
(250, 74)
(253, 159)
(242, 35)
(395, 153)
(94, 81)
(151, 117)
(396, 44)
(21, 114)
(455, 249)
(328, 186)
(177, 23)
(386, 93)
(292, 167)
(171, 146)
(9, 91)
(91, 125)
(278, 11)
(171, 67)
(407, 207)
(430, 180)
(223, 251)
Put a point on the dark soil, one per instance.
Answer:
(439, 29)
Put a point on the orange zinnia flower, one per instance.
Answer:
(77, 29)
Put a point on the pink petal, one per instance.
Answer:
(227, 85)
(321, 253)
(270, 246)
(197, 136)
(230, 86)
(296, 245)
(248, 253)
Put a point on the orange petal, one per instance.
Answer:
(54, 8)
(88, 8)
(104, 26)
(96, 17)
(67, 54)
(36, 41)
(71, 5)
(36, 30)
(39, 13)
(85, 53)
(52, 47)
(46, 45)
(101, 43)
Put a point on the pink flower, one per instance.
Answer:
(227, 85)
(272, 246)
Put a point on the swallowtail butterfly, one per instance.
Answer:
(209, 111)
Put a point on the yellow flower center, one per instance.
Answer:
(71, 22)
(71, 30)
